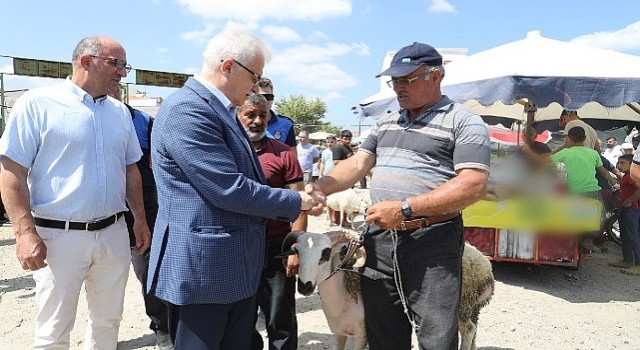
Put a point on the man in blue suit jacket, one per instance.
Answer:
(209, 240)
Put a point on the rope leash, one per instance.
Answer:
(354, 244)
(397, 278)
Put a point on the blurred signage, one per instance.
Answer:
(155, 78)
(39, 68)
(53, 69)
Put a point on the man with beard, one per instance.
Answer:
(277, 287)
(613, 150)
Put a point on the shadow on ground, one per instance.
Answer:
(137, 343)
(603, 282)
(7, 242)
(17, 283)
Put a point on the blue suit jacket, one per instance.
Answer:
(209, 239)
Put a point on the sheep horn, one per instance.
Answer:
(289, 240)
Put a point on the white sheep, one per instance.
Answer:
(340, 294)
(348, 203)
(320, 254)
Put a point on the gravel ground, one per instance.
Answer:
(534, 307)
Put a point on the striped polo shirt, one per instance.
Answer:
(414, 158)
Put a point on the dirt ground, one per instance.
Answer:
(534, 307)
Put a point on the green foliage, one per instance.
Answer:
(308, 114)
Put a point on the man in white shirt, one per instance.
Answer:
(307, 155)
(613, 150)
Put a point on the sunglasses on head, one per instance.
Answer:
(269, 97)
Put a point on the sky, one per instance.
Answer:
(327, 49)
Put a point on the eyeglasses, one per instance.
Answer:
(120, 64)
(404, 81)
(269, 97)
(256, 76)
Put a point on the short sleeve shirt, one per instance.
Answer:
(280, 168)
(418, 157)
(580, 163)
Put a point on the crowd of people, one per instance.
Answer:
(593, 172)
(200, 198)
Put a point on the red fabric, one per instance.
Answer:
(280, 166)
(627, 187)
(513, 137)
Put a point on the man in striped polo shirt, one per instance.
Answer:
(431, 160)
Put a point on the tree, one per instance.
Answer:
(307, 114)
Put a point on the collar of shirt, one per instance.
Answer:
(442, 105)
(218, 94)
(80, 94)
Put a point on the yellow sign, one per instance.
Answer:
(149, 77)
(553, 215)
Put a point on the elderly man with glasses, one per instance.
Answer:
(209, 242)
(431, 160)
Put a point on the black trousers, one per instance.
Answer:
(155, 308)
(430, 261)
(276, 300)
(212, 326)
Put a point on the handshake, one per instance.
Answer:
(313, 200)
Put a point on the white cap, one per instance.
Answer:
(627, 145)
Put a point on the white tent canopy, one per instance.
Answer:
(545, 71)
(552, 73)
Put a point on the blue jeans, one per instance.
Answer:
(630, 234)
(430, 262)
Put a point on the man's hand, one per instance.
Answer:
(143, 237)
(31, 251)
(385, 214)
(313, 200)
(291, 265)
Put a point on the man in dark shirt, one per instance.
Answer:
(343, 150)
(276, 293)
(280, 127)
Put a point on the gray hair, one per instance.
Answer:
(253, 99)
(90, 45)
(432, 68)
(240, 45)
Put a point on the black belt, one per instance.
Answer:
(73, 225)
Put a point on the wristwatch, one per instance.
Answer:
(406, 210)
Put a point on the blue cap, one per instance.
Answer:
(412, 57)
